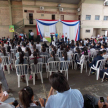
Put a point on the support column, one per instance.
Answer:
(10, 12)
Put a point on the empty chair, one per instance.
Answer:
(22, 69)
(35, 69)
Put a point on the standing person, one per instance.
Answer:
(25, 36)
(66, 37)
(51, 34)
(56, 36)
(62, 37)
(22, 36)
(3, 79)
(32, 35)
(16, 37)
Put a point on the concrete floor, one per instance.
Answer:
(83, 82)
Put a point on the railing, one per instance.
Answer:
(19, 24)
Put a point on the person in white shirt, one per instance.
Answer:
(38, 46)
(53, 42)
(65, 97)
(32, 35)
(23, 47)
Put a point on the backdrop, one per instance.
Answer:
(45, 27)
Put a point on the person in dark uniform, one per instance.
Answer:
(51, 37)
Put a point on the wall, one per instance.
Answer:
(17, 12)
(93, 7)
(69, 12)
(4, 19)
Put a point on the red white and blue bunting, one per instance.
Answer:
(66, 27)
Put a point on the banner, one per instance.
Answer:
(71, 28)
(45, 28)
(11, 28)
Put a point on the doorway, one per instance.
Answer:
(30, 18)
(53, 17)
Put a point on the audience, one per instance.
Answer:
(76, 51)
(65, 97)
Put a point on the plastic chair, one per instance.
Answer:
(44, 58)
(22, 69)
(60, 54)
(35, 69)
(5, 62)
(97, 68)
(64, 66)
(81, 63)
(53, 66)
(105, 73)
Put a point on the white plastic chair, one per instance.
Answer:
(44, 58)
(60, 54)
(22, 69)
(105, 73)
(53, 66)
(74, 58)
(64, 66)
(96, 68)
(35, 69)
(81, 63)
(5, 62)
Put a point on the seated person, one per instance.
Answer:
(104, 54)
(35, 57)
(53, 58)
(45, 44)
(26, 97)
(27, 52)
(3, 94)
(65, 97)
(64, 58)
(3, 52)
(18, 45)
(43, 52)
(38, 46)
(18, 51)
(103, 71)
(98, 57)
(21, 60)
(23, 47)
(102, 48)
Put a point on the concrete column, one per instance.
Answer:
(10, 12)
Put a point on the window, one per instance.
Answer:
(97, 17)
(88, 17)
(62, 17)
(105, 17)
(53, 17)
(87, 31)
(30, 18)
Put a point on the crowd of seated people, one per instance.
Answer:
(31, 52)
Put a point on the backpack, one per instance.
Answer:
(90, 101)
